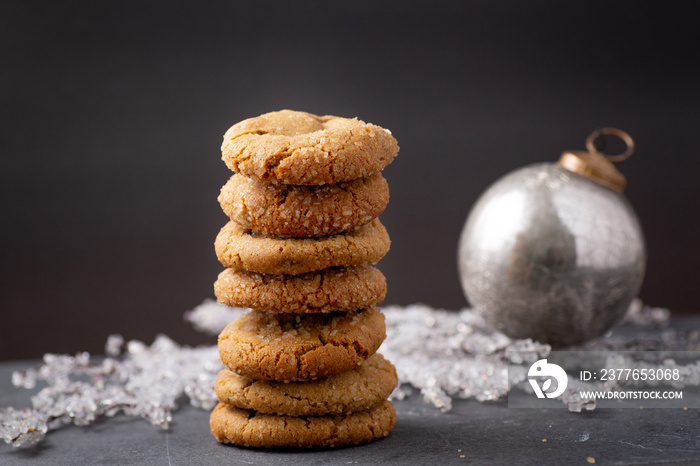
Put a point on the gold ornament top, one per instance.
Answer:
(596, 165)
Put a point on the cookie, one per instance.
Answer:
(243, 249)
(300, 148)
(303, 211)
(293, 347)
(360, 389)
(254, 429)
(335, 289)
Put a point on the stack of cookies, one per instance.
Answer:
(301, 364)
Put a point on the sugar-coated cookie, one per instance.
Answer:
(303, 211)
(293, 347)
(369, 384)
(300, 148)
(243, 249)
(334, 289)
(254, 429)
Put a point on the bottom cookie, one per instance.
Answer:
(253, 429)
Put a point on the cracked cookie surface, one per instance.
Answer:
(243, 249)
(369, 384)
(334, 289)
(296, 347)
(303, 211)
(254, 429)
(300, 148)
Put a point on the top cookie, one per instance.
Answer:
(300, 148)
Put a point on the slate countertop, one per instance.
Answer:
(471, 433)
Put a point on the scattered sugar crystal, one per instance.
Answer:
(211, 317)
(22, 426)
(646, 316)
(114, 345)
(25, 379)
(144, 381)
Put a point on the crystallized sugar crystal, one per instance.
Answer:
(442, 354)
(19, 427)
(446, 354)
(211, 317)
(135, 379)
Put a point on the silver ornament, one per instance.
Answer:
(552, 253)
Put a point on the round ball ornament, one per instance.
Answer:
(554, 251)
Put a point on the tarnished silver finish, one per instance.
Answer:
(551, 255)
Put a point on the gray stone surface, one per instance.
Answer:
(472, 433)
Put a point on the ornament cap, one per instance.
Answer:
(596, 165)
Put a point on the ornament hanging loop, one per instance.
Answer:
(626, 138)
(596, 165)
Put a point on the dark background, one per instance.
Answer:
(112, 113)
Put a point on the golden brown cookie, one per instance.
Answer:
(300, 148)
(335, 289)
(293, 347)
(303, 211)
(370, 383)
(242, 249)
(253, 429)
